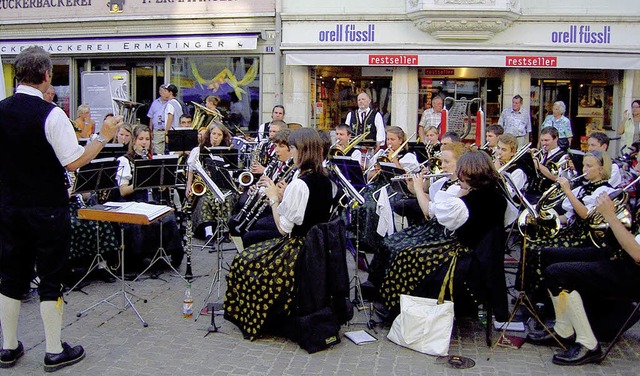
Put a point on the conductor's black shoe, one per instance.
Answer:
(577, 355)
(545, 338)
(9, 358)
(68, 356)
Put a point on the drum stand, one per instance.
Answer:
(221, 225)
(126, 301)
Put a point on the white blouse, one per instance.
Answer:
(589, 201)
(450, 210)
(124, 176)
(293, 205)
(435, 188)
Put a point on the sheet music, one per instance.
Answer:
(142, 208)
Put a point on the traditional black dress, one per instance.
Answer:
(420, 270)
(85, 245)
(571, 243)
(413, 236)
(260, 284)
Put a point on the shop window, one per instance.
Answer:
(235, 80)
(334, 93)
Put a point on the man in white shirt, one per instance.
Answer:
(171, 118)
(156, 110)
(516, 120)
(431, 117)
(35, 229)
(364, 119)
(263, 129)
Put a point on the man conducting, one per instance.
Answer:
(35, 228)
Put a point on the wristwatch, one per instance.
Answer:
(98, 137)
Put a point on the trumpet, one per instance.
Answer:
(428, 176)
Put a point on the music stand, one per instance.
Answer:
(112, 151)
(156, 173)
(418, 148)
(351, 170)
(122, 213)
(229, 155)
(97, 175)
(220, 225)
(390, 170)
(182, 139)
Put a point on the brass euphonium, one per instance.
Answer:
(127, 109)
(203, 116)
(599, 227)
(334, 151)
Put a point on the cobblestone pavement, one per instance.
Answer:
(118, 344)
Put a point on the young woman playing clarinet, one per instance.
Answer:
(262, 277)
(142, 242)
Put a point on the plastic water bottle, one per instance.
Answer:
(187, 305)
(482, 315)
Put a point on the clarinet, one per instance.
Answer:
(188, 274)
(286, 177)
(255, 195)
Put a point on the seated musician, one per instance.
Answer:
(449, 137)
(343, 138)
(600, 141)
(432, 144)
(425, 232)
(507, 147)
(491, 135)
(569, 282)
(207, 208)
(552, 157)
(123, 136)
(256, 209)
(571, 243)
(364, 221)
(267, 148)
(142, 242)
(477, 209)
(260, 284)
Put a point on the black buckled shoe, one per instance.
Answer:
(577, 355)
(68, 356)
(9, 358)
(545, 338)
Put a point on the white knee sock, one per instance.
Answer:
(580, 322)
(9, 313)
(51, 312)
(563, 324)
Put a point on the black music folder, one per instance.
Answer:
(112, 151)
(228, 154)
(389, 170)
(351, 170)
(157, 172)
(182, 139)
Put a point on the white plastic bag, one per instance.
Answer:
(423, 325)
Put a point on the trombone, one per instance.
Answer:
(335, 151)
(386, 157)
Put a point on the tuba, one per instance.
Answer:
(334, 151)
(127, 109)
(203, 116)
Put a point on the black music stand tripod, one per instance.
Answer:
(99, 175)
(159, 172)
(220, 197)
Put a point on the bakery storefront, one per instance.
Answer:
(204, 48)
(591, 66)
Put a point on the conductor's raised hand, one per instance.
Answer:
(110, 127)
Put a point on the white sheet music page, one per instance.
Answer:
(150, 211)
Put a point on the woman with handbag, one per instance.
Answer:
(261, 281)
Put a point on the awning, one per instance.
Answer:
(477, 59)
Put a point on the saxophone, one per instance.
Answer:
(255, 195)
